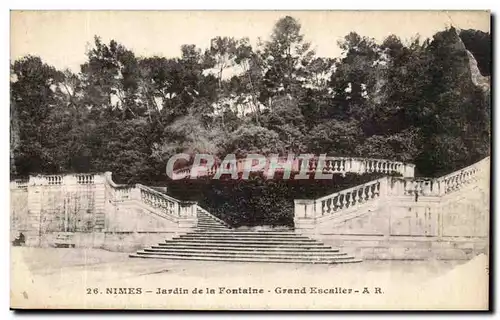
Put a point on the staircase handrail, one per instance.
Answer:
(109, 180)
(392, 166)
(157, 193)
(366, 192)
(361, 194)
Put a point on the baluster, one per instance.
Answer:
(312, 165)
(328, 166)
(341, 202)
(370, 192)
(365, 192)
(332, 166)
(346, 201)
(336, 203)
(353, 197)
(360, 195)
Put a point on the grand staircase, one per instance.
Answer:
(213, 240)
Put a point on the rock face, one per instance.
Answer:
(478, 79)
(477, 45)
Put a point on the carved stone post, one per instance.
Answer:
(408, 170)
(187, 216)
(305, 216)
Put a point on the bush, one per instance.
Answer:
(258, 201)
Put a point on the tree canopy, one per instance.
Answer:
(403, 100)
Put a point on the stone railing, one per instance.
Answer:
(348, 199)
(334, 165)
(157, 202)
(454, 181)
(161, 202)
(376, 192)
(351, 197)
(59, 180)
(436, 187)
(21, 184)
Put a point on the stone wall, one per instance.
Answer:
(97, 212)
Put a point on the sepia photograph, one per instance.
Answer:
(250, 160)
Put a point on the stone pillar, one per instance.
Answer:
(408, 170)
(355, 165)
(305, 216)
(384, 187)
(187, 209)
(187, 216)
(35, 192)
(99, 203)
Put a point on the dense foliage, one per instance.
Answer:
(259, 201)
(412, 101)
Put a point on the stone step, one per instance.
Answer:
(207, 219)
(210, 222)
(201, 218)
(290, 249)
(245, 237)
(210, 225)
(201, 227)
(235, 231)
(237, 251)
(213, 240)
(255, 244)
(245, 259)
(231, 235)
(246, 241)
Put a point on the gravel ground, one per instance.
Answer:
(62, 277)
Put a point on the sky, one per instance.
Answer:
(61, 38)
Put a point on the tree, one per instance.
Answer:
(33, 98)
(111, 78)
(253, 139)
(221, 54)
(286, 56)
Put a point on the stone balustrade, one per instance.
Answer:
(346, 199)
(366, 193)
(19, 184)
(165, 204)
(333, 165)
(60, 179)
(470, 174)
(85, 179)
(351, 197)
(436, 187)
